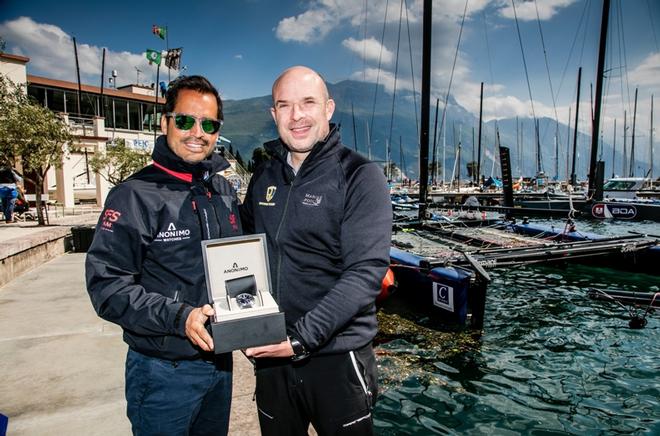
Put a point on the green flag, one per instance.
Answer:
(153, 56)
(160, 32)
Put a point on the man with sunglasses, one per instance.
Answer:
(144, 270)
(327, 215)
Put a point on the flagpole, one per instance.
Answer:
(167, 47)
(156, 103)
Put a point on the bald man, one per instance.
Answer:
(327, 215)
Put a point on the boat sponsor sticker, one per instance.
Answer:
(619, 211)
(443, 296)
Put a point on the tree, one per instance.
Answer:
(31, 133)
(118, 161)
(259, 156)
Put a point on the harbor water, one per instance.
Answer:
(550, 360)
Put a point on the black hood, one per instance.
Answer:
(163, 155)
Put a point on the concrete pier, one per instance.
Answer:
(61, 365)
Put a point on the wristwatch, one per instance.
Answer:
(245, 300)
(299, 350)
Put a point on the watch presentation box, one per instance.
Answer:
(239, 287)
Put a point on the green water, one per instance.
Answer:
(550, 360)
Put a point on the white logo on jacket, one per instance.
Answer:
(172, 234)
(312, 200)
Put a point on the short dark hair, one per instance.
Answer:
(196, 83)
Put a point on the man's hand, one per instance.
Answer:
(283, 349)
(195, 329)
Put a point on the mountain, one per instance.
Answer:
(248, 125)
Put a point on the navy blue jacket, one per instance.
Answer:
(145, 269)
(328, 230)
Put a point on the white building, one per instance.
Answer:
(130, 112)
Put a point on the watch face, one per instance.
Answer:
(245, 300)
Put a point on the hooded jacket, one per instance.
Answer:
(144, 268)
(328, 230)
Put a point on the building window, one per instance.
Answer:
(55, 100)
(88, 104)
(38, 94)
(121, 114)
(134, 121)
(107, 112)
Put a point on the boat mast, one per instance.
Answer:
(651, 142)
(425, 112)
(568, 144)
(434, 161)
(355, 141)
(481, 107)
(614, 149)
(575, 128)
(632, 139)
(557, 151)
(624, 164)
(599, 97)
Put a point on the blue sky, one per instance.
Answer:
(243, 45)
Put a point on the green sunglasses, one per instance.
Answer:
(210, 126)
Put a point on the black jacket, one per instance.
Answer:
(328, 230)
(144, 268)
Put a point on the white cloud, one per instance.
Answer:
(385, 78)
(238, 56)
(526, 10)
(370, 48)
(308, 27)
(647, 73)
(322, 16)
(51, 54)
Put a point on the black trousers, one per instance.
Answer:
(336, 393)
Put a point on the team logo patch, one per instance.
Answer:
(172, 234)
(110, 217)
(270, 193)
(312, 200)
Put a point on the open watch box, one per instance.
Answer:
(239, 288)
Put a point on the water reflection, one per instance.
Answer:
(550, 361)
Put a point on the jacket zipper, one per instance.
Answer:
(277, 239)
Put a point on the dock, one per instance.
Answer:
(62, 366)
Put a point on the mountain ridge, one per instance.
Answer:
(248, 124)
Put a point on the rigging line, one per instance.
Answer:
(396, 73)
(412, 71)
(655, 38)
(490, 64)
(380, 58)
(584, 37)
(364, 44)
(547, 69)
(353, 62)
(617, 16)
(570, 53)
(625, 56)
(529, 88)
(451, 76)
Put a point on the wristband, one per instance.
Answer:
(299, 350)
